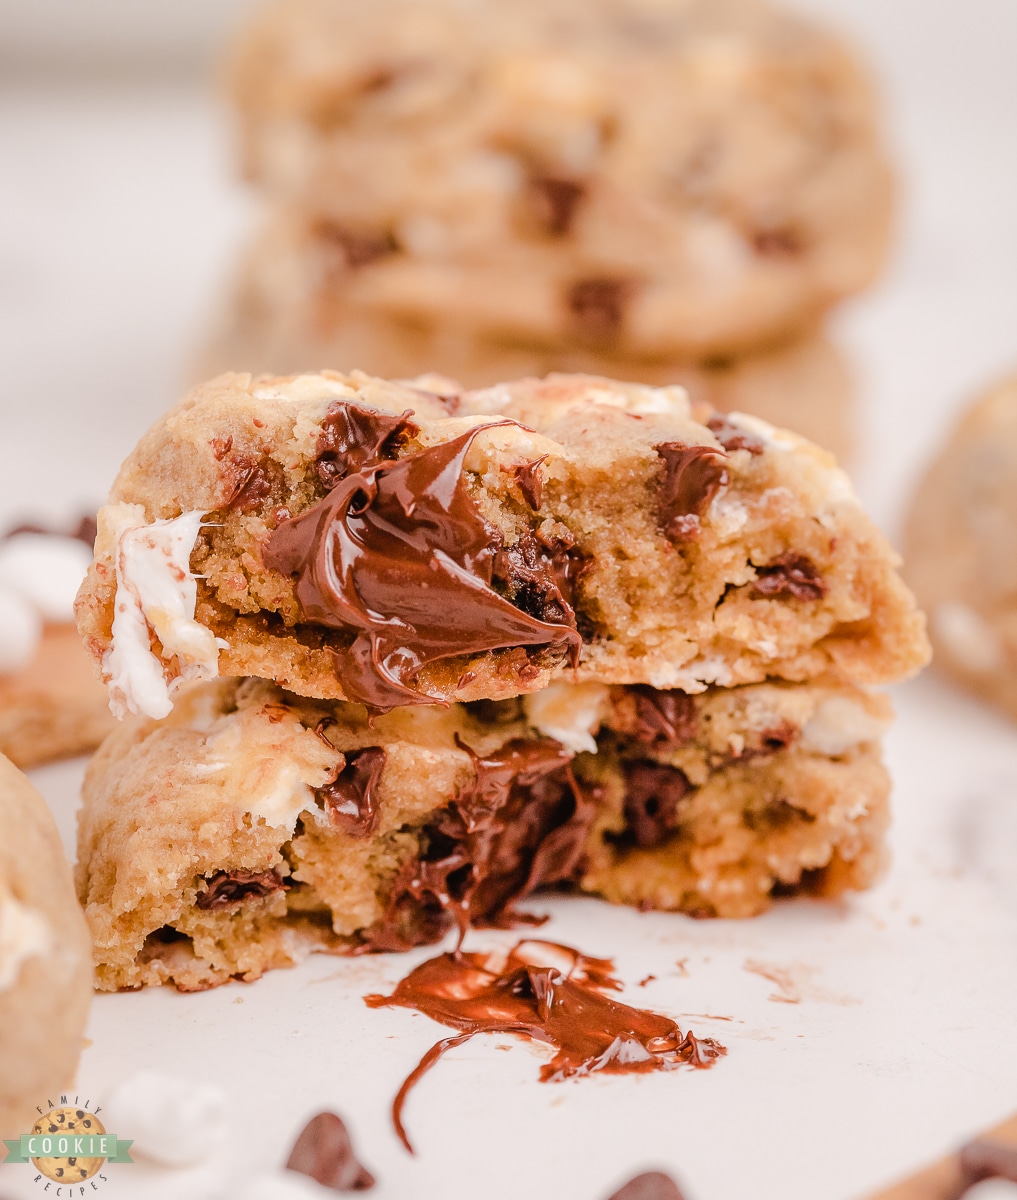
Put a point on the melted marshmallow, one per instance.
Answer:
(24, 934)
(173, 1121)
(570, 713)
(20, 630)
(155, 595)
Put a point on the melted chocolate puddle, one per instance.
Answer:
(398, 554)
(552, 994)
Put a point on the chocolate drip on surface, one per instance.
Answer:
(792, 576)
(692, 477)
(520, 824)
(226, 888)
(651, 1185)
(527, 477)
(663, 718)
(556, 201)
(733, 438)
(398, 554)
(549, 993)
(324, 1152)
(653, 794)
(352, 437)
(350, 799)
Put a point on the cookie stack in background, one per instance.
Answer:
(392, 658)
(659, 190)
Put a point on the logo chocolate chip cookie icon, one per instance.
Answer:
(68, 1145)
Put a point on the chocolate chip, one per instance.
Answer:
(324, 1151)
(733, 438)
(529, 481)
(352, 437)
(555, 201)
(651, 1185)
(252, 487)
(540, 575)
(350, 799)
(692, 477)
(653, 794)
(779, 242)
(663, 718)
(349, 249)
(791, 576)
(226, 888)
(986, 1159)
(598, 306)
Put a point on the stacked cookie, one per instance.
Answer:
(397, 657)
(665, 191)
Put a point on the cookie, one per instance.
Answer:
(680, 180)
(45, 958)
(252, 826)
(961, 542)
(351, 538)
(52, 703)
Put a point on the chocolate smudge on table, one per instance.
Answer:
(350, 799)
(791, 576)
(226, 888)
(692, 477)
(521, 823)
(324, 1152)
(650, 1185)
(549, 993)
(398, 554)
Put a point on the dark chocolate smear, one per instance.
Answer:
(398, 555)
(651, 1185)
(692, 477)
(548, 993)
(540, 575)
(598, 306)
(733, 438)
(352, 437)
(556, 201)
(520, 824)
(653, 795)
(527, 477)
(792, 576)
(324, 1151)
(226, 888)
(350, 799)
(349, 249)
(663, 718)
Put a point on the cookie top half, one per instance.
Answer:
(389, 543)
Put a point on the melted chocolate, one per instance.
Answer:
(662, 718)
(352, 437)
(549, 993)
(350, 799)
(556, 201)
(692, 477)
(540, 575)
(324, 1151)
(253, 487)
(226, 888)
(398, 555)
(527, 477)
(598, 306)
(653, 794)
(520, 824)
(651, 1185)
(792, 576)
(733, 438)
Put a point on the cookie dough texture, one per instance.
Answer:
(961, 542)
(45, 957)
(764, 567)
(673, 179)
(259, 854)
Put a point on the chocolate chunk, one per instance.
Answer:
(562, 1005)
(692, 477)
(540, 575)
(651, 1185)
(792, 576)
(664, 718)
(529, 482)
(226, 888)
(733, 438)
(349, 249)
(985, 1159)
(398, 555)
(778, 242)
(555, 201)
(324, 1151)
(653, 793)
(350, 799)
(598, 306)
(520, 824)
(352, 437)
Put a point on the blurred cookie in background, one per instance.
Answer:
(52, 705)
(961, 548)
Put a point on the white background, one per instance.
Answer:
(119, 219)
